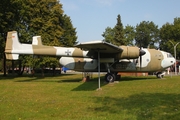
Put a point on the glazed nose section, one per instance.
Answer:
(167, 62)
(173, 61)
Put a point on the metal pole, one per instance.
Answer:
(175, 69)
(99, 71)
(175, 57)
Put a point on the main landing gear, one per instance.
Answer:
(111, 77)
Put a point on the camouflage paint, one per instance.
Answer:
(127, 57)
(129, 52)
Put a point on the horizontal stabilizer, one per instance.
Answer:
(12, 56)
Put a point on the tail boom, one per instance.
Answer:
(14, 48)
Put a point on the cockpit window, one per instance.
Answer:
(169, 55)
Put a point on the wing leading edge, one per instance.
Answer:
(100, 46)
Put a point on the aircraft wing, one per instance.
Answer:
(101, 46)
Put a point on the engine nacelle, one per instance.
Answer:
(129, 52)
(78, 64)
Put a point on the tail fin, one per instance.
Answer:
(37, 41)
(12, 43)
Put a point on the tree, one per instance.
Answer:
(147, 34)
(119, 33)
(44, 18)
(170, 33)
(165, 36)
(108, 34)
(69, 37)
(129, 34)
(116, 35)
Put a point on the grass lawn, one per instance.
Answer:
(66, 97)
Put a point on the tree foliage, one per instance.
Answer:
(119, 32)
(8, 20)
(108, 34)
(129, 34)
(147, 34)
(69, 32)
(170, 36)
(42, 18)
(119, 35)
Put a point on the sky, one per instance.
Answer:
(92, 17)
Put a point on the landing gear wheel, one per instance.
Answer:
(159, 75)
(109, 77)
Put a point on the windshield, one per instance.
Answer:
(169, 55)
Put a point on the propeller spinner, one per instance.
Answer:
(141, 53)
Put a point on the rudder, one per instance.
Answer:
(37, 41)
(12, 43)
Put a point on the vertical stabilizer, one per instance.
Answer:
(37, 40)
(12, 43)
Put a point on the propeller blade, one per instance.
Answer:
(141, 53)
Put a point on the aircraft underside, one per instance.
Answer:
(112, 69)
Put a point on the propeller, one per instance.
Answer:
(141, 52)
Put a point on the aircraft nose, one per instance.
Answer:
(168, 62)
(173, 61)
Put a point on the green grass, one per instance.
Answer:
(66, 97)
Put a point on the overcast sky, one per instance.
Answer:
(91, 17)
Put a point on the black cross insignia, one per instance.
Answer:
(67, 52)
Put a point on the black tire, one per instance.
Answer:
(158, 75)
(109, 77)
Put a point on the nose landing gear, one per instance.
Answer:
(160, 74)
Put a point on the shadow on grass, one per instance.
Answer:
(93, 83)
(143, 106)
(7, 77)
(90, 85)
(85, 86)
(30, 77)
(129, 78)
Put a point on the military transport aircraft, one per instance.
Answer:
(95, 56)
